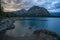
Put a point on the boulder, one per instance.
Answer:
(46, 35)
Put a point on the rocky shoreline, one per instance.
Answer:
(46, 35)
(6, 24)
(37, 35)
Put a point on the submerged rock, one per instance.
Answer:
(30, 28)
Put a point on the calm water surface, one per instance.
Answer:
(28, 25)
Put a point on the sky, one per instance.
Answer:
(14, 5)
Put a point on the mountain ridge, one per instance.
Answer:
(33, 11)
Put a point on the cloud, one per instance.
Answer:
(57, 5)
(26, 4)
(55, 10)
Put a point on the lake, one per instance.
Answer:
(27, 25)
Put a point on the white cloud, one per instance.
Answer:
(55, 10)
(19, 4)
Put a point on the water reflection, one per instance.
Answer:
(22, 25)
(54, 25)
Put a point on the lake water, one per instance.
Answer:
(28, 25)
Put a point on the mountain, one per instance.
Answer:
(34, 11)
(19, 12)
(38, 11)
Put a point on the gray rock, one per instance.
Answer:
(45, 35)
(7, 24)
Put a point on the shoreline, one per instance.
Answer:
(32, 37)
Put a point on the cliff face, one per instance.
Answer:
(38, 11)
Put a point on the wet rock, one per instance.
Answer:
(45, 35)
(30, 28)
(7, 24)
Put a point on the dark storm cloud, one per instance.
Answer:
(57, 5)
(17, 1)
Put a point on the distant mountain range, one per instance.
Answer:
(55, 14)
(35, 11)
(19, 11)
